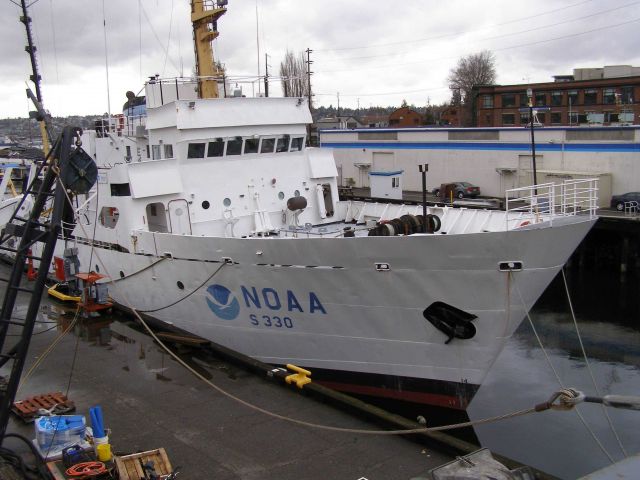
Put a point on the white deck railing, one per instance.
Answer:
(548, 201)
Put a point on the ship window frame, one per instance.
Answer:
(168, 150)
(249, 147)
(282, 148)
(232, 142)
(156, 152)
(267, 139)
(294, 141)
(193, 153)
(148, 151)
(217, 142)
(120, 189)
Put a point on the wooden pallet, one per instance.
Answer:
(130, 467)
(27, 409)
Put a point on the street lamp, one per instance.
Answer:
(533, 141)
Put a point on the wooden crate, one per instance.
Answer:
(130, 466)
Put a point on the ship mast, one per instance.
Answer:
(35, 78)
(204, 17)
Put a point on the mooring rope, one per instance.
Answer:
(555, 372)
(586, 361)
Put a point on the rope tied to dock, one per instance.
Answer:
(562, 400)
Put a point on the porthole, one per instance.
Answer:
(121, 274)
(226, 202)
(296, 193)
(180, 285)
(205, 205)
(281, 195)
(178, 212)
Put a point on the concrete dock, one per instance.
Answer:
(150, 401)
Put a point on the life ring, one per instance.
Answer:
(524, 223)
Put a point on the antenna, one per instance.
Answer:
(309, 73)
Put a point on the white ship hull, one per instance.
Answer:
(320, 303)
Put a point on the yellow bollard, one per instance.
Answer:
(301, 377)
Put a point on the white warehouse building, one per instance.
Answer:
(495, 159)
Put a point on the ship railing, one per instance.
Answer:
(121, 125)
(549, 201)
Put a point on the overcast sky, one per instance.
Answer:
(371, 52)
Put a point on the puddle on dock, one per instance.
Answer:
(141, 355)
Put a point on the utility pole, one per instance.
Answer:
(266, 75)
(309, 72)
(338, 114)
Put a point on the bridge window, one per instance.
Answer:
(283, 144)
(216, 148)
(267, 145)
(234, 146)
(251, 145)
(196, 150)
(296, 144)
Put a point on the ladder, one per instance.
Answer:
(66, 165)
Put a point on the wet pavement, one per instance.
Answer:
(150, 401)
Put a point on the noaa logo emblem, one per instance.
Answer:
(222, 302)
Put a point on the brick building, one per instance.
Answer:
(591, 96)
(405, 117)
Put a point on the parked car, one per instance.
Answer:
(618, 201)
(460, 189)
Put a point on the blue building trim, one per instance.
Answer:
(386, 174)
(488, 146)
(481, 129)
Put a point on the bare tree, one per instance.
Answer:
(474, 69)
(293, 75)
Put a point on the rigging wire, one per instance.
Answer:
(106, 57)
(586, 361)
(166, 55)
(155, 34)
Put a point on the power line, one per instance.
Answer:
(564, 22)
(404, 42)
(431, 60)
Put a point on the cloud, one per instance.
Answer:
(372, 52)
